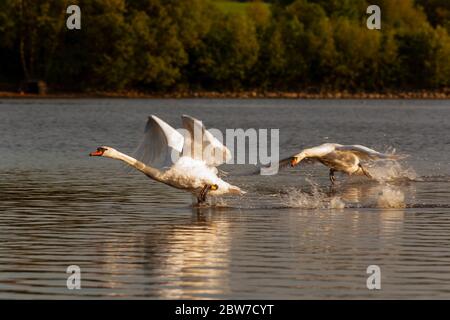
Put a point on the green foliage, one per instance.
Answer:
(227, 54)
(96, 56)
(437, 11)
(30, 30)
(424, 57)
(158, 45)
(357, 56)
(232, 6)
(8, 45)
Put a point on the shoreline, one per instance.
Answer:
(431, 95)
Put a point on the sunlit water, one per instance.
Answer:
(291, 236)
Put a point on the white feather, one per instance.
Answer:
(161, 145)
(200, 144)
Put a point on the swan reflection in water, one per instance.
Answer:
(188, 257)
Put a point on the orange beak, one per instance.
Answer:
(293, 162)
(96, 154)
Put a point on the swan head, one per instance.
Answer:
(295, 161)
(104, 152)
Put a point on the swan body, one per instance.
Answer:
(166, 156)
(192, 174)
(339, 158)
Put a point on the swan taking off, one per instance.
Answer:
(184, 162)
(339, 158)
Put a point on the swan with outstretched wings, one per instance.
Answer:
(164, 155)
(200, 144)
(339, 158)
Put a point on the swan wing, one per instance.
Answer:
(200, 144)
(161, 144)
(365, 153)
(309, 155)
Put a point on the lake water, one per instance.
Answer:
(289, 237)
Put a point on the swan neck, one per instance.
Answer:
(148, 171)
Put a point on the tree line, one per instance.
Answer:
(181, 45)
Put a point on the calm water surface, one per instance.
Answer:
(289, 237)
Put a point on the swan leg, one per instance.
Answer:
(202, 197)
(365, 172)
(332, 190)
(332, 177)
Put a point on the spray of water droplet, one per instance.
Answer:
(336, 203)
(315, 199)
(389, 171)
(390, 197)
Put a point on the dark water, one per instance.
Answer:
(289, 237)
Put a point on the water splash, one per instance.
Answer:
(390, 171)
(315, 199)
(219, 202)
(336, 203)
(212, 202)
(390, 197)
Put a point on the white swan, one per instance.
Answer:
(184, 162)
(339, 158)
